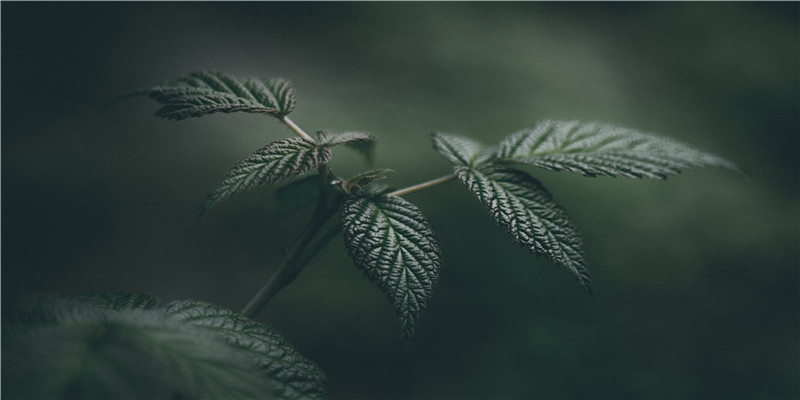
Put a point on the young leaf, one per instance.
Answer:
(390, 240)
(208, 92)
(594, 149)
(361, 142)
(292, 375)
(88, 350)
(517, 201)
(275, 162)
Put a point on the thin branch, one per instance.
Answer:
(423, 185)
(296, 128)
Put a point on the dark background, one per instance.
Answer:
(696, 278)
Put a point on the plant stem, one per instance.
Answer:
(300, 132)
(292, 264)
(423, 185)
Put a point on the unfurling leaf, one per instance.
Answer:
(86, 349)
(275, 162)
(517, 202)
(209, 92)
(390, 240)
(594, 149)
(292, 375)
(362, 142)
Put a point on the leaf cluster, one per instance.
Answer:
(387, 237)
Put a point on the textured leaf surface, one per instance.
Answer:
(292, 375)
(122, 301)
(392, 242)
(594, 149)
(209, 92)
(362, 142)
(88, 350)
(275, 162)
(517, 202)
(458, 150)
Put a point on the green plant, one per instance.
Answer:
(203, 350)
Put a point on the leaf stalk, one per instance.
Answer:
(423, 185)
(299, 131)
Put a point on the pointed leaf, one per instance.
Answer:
(362, 142)
(209, 92)
(390, 240)
(275, 162)
(594, 149)
(292, 375)
(517, 202)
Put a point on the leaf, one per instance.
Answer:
(209, 92)
(362, 142)
(358, 182)
(91, 351)
(275, 162)
(292, 375)
(121, 301)
(390, 240)
(519, 203)
(594, 149)
(458, 150)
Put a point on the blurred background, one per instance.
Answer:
(695, 278)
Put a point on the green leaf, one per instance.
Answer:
(273, 163)
(517, 202)
(292, 375)
(358, 182)
(88, 350)
(594, 149)
(121, 301)
(459, 150)
(362, 142)
(390, 240)
(209, 92)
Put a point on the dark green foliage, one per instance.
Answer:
(121, 301)
(273, 163)
(594, 149)
(117, 346)
(392, 242)
(520, 204)
(209, 92)
(517, 202)
(387, 237)
(292, 376)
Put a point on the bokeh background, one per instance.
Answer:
(696, 278)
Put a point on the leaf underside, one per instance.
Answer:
(361, 142)
(273, 163)
(519, 203)
(390, 240)
(208, 92)
(593, 149)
